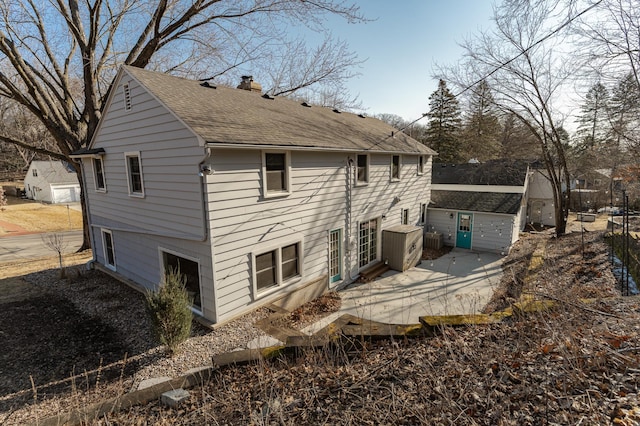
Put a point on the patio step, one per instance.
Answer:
(373, 272)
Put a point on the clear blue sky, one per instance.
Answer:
(402, 46)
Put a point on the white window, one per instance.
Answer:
(368, 242)
(276, 174)
(98, 174)
(420, 164)
(404, 216)
(109, 249)
(34, 172)
(395, 167)
(127, 96)
(423, 213)
(277, 266)
(190, 271)
(134, 173)
(362, 170)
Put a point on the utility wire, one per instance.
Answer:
(504, 64)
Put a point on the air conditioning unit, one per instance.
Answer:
(433, 240)
(402, 246)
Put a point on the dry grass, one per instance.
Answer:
(37, 217)
(23, 267)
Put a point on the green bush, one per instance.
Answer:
(170, 312)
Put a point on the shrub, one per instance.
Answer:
(170, 312)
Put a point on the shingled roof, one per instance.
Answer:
(496, 172)
(490, 202)
(222, 115)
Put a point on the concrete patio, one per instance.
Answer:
(460, 282)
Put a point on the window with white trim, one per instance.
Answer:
(276, 174)
(395, 167)
(34, 172)
(276, 267)
(134, 174)
(189, 269)
(362, 169)
(98, 174)
(423, 213)
(421, 164)
(404, 216)
(109, 249)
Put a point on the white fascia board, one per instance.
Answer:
(478, 188)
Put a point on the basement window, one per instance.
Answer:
(190, 271)
(109, 250)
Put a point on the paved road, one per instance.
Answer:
(31, 246)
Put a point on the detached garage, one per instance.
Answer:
(479, 206)
(52, 182)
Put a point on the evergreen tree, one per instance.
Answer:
(516, 140)
(593, 128)
(444, 125)
(624, 113)
(481, 134)
(592, 122)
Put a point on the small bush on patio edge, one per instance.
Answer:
(170, 312)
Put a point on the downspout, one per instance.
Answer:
(85, 194)
(205, 170)
(349, 192)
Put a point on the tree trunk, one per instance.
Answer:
(86, 239)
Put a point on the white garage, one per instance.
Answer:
(52, 182)
(65, 194)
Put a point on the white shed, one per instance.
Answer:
(52, 182)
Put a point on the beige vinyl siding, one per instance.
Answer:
(243, 222)
(498, 231)
(491, 232)
(138, 259)
(376, 199)
(169, 155)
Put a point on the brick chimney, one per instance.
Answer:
(247, 83)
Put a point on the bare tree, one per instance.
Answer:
(610, 40)
(58, 59)
(611, 37)
(526, 70)
(57, 243)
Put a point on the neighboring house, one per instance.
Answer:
(252, 197)
(480, 206)
(540, 204)
(52, 182)
(626, 177)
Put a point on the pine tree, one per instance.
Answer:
(481, 134)
(593, 128)
(592, 122)
(444, 125)
(516, 141)
(624, 110)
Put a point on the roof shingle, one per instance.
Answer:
(233, 116)
(490, 202)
